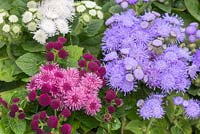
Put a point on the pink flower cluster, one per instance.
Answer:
(66, 88)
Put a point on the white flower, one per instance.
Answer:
(62, 26)
(13, 18)
(89, 4)
(80, 8)
(40, 36)
(98, 8)
(6, 28)
(93, 12)
(48, 26)
(86, 17)
(55, 9)
(1, 19)
(16, 29)
(32, 26)
(99, 14)
(39, 15)
(32, 4)
(33, 9)
(27, 17)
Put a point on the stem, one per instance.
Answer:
(8, 50)
(123, 124)
(149, 126)
(108, 128)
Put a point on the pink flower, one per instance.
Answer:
(66, 129)
(52, 122)
(91, 81)
(48, 67)
(44, 100)
(75, 99)
(93, 105)
(72, 76)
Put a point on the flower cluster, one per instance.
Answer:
(42, 119)
(126, 3)
(192, 107)
(88, 10)
(145, 48)
(151, 107)
(192, 32)
(56, 49)
(66, 88)
(48, 18)
(14, 109)
(9, 23)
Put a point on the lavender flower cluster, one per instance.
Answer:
(146, 48)
(191, 107)
(192, 32)
(126, 3)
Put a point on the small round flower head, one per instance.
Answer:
(58, 45)
(111, 109)
(55, 104)
(14, 108)
(44, 100)
(192, 111)
(190, 30)
(185, 103)
(22, 116)
(110, 95)
(82, 63)
(15, 100)
(118, 102)
(152, 108)
(12, 114)
(196, 58)
(107, 117)
(52, 121)
(48, 26)
(178, 100)
(34, 124)
(93, 66)
(192, 71)
(63, 54)
(40, 36)
(49, 56)
(66, 113)
(66, 129)
(62, 40)
(88, 56)
(93, 105)
(43, 115)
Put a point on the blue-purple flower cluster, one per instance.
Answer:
(126, 3)
(151, 107)
(191, 107)
(145, 48)
(192, 32)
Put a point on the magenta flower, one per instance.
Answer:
(93, 105)
(52, 122)
(44, 100)
(66, 129)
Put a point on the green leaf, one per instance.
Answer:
(4, 125)
(135, 126)
(193, 6)
(18, 126)
(75, 53)
(175, 130)
(93, 27)
(77, 27)
(115, 9)
(33, 47)
(116, 124)
(101, 131)
(29, 63)
(5, 4)
(167, 8)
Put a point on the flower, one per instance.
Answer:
(63, 54)
(93, 105)
(44, 100)
(14, 108)
(66, 129)
(93, 66)
(31, 4)
(192, 110)
(27, 17)
(178, 100)
(32, 95)
(40, 36)
(22, 116)
(88, 56)
(55, 104)
(49, 56)
(62, 26)
(152, 107)
(196, 58)
(52, 121)
(32, 26)
(43, 115)
(110, 95)
(16, 29)
(81, 8)
(111, 109)
(89, 4)
(6, 28)
(66, 113)
(34, 124)
(13, 18)
(48, 26)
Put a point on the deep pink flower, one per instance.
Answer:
(88, 56)
(4, 103)
(12, 114)
(14, 108)
(40, 131)
(93, 105)
(49, 46)
(75, 99)
(118, 102)
(62, 40)
(15, 100)
(111, 109)
(48, 67)
(93, 66)
(66, 87)
(82, 72)
(58, 45)
(66, 113)
(102, 71)
(66, 129)
(49, 56)
(52, 121)
(43, 115)
(63, 54)
(55, 104)
(45, 88)
(21, 115)
(44, 100)
(110, 95)
(34, 124)
(82, 63)
(32, 95)
(32, 85)
(36, 116)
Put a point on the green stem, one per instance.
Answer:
(109, 129)
(149, 126)
(123, 124)
(9, 52)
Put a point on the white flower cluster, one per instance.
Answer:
(9, 23)
(48, 18)
(88, 10)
